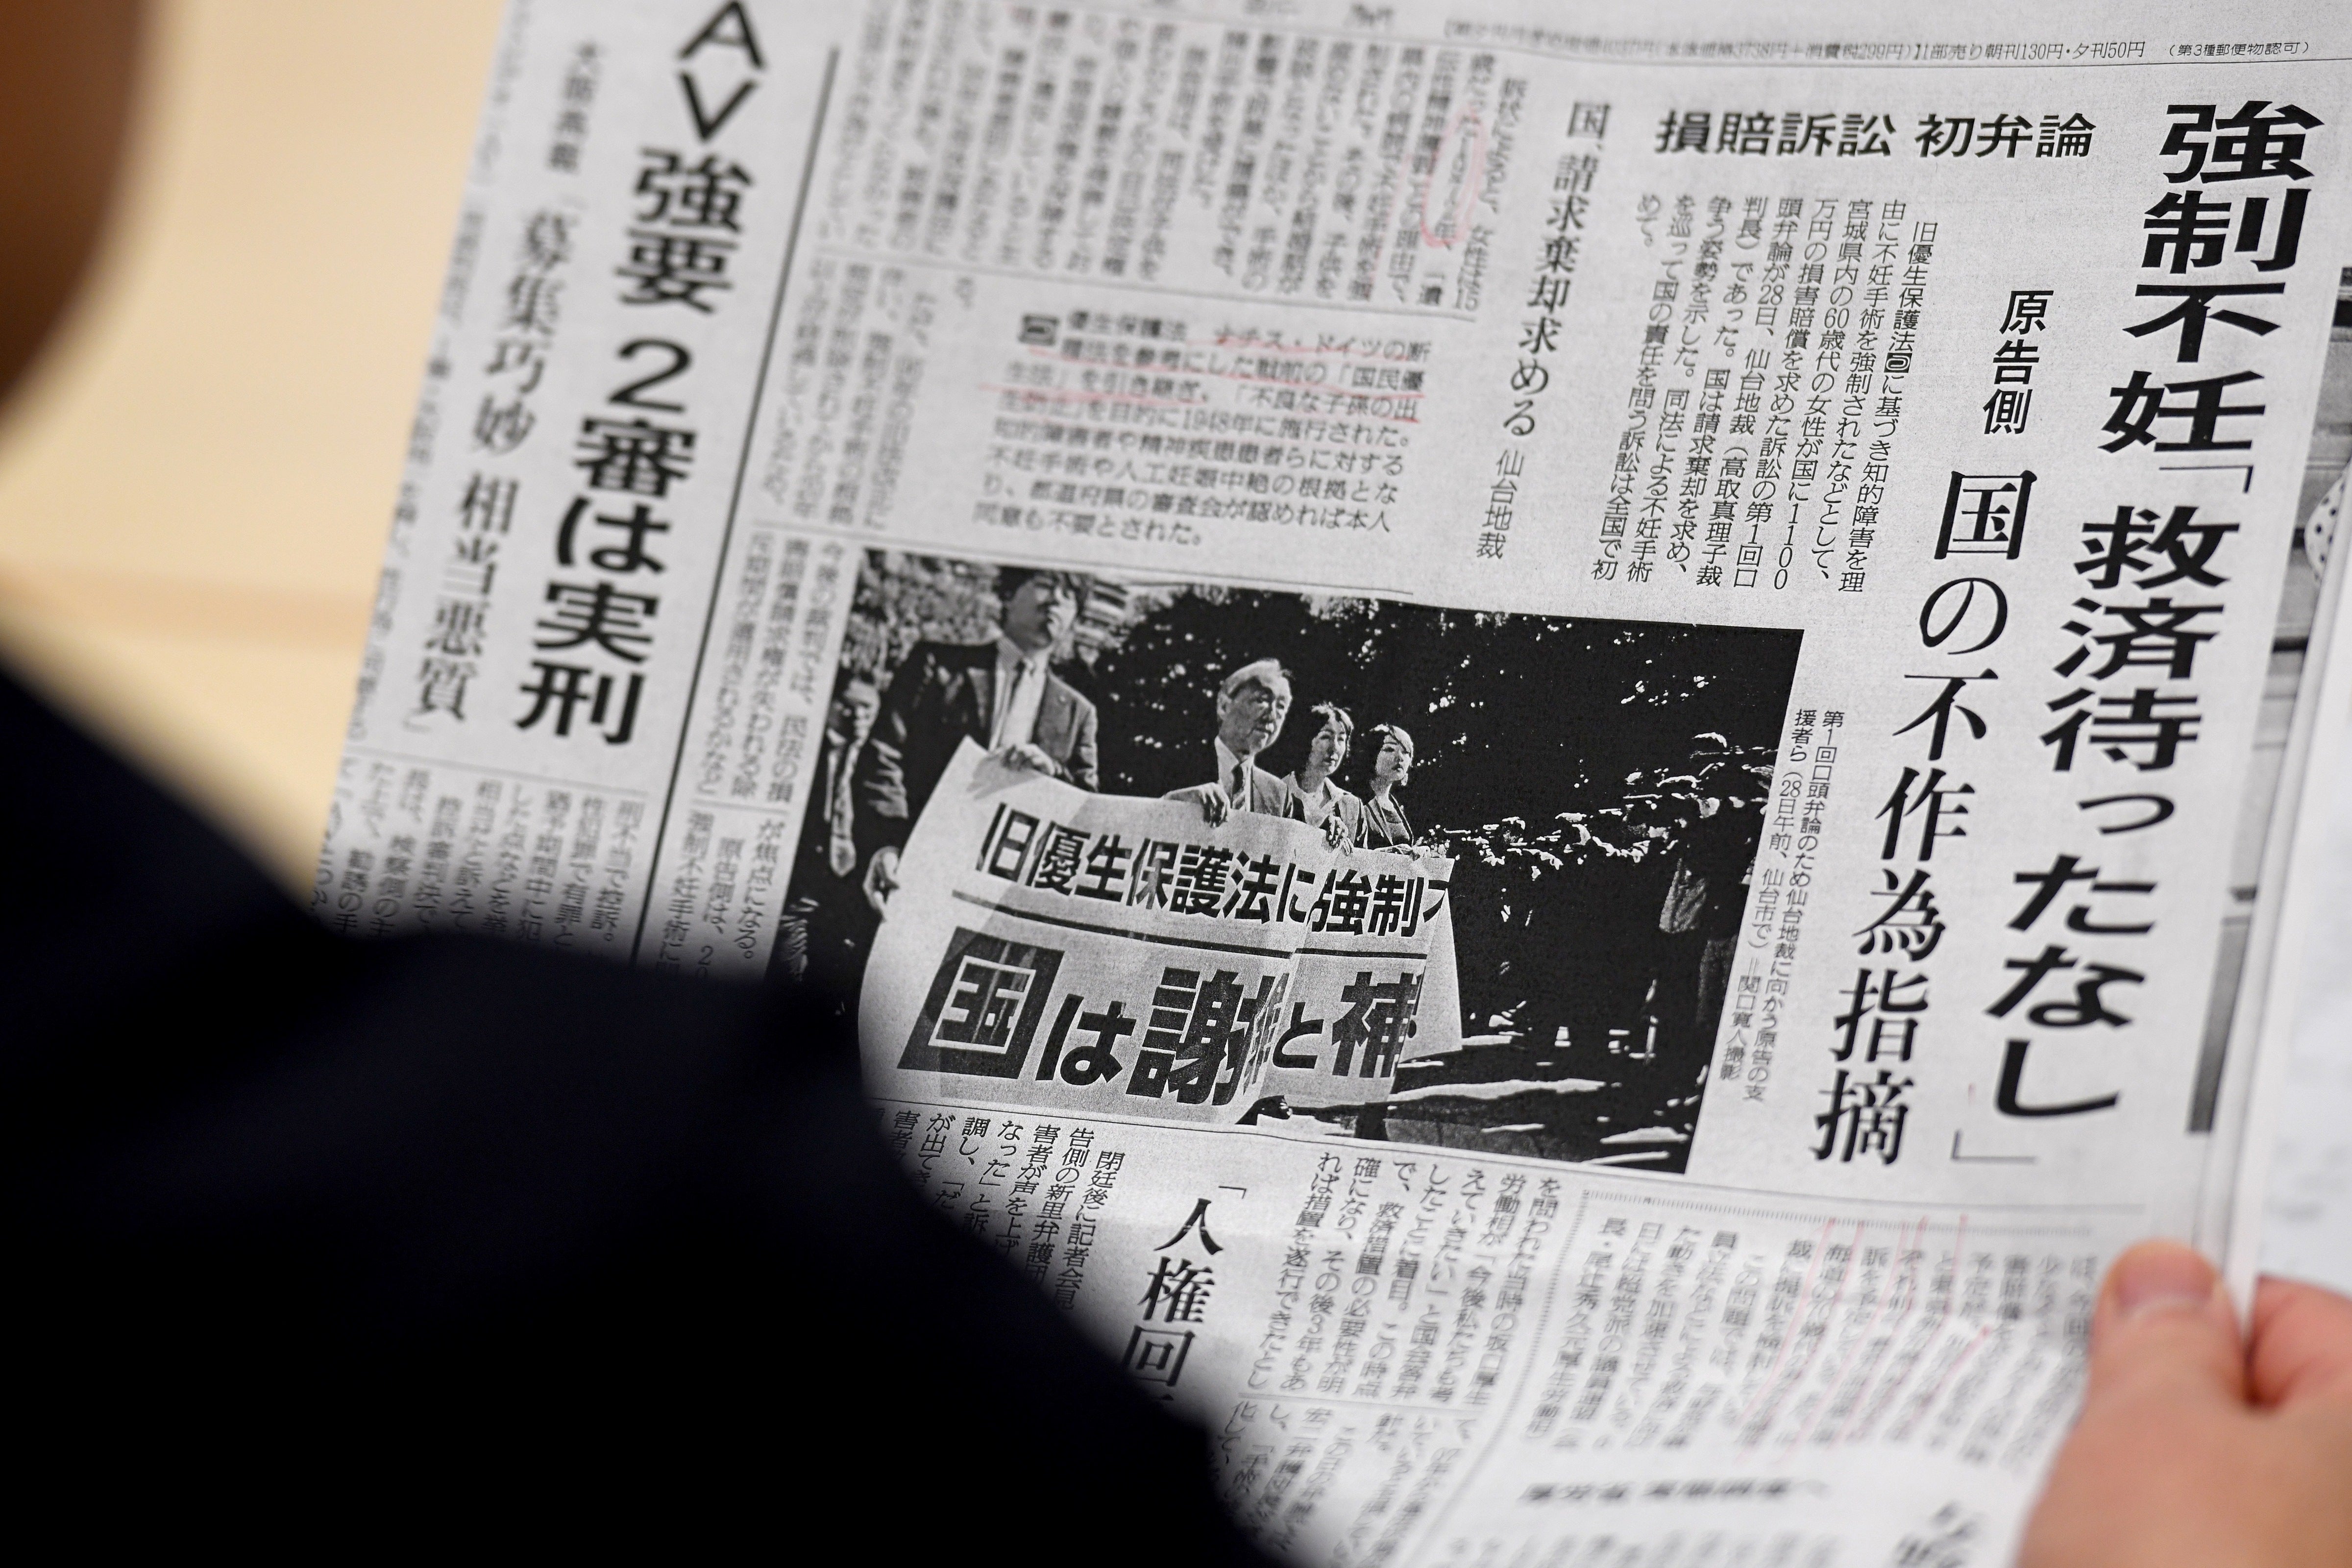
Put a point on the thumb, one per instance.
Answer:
(2165, 1332)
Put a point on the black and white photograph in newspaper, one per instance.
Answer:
(1599, 784)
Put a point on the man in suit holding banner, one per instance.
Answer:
(1252, 701)
(1002, 693)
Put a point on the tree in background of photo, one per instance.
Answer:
(902, 600)
(1570, 768)
(1511, 715)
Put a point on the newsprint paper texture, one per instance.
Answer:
(1543, 738)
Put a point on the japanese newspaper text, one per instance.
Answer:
(1540, 742)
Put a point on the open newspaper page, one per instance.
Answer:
(1539, 748)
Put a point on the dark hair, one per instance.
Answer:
(1371, 752)
(1010, 579)
(1332, 713)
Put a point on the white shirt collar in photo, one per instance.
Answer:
(1320, 801)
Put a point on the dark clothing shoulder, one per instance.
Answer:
(425, 1228)
(943, 694)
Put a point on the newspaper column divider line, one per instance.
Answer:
(735, 497)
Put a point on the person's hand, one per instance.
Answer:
(1335, 831)
(1216, 807)
(1028, 754)
(881, 878)
(2195, 1449)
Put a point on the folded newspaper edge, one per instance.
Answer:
(2292, 1208)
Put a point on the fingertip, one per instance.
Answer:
(2165, 1327)
(2162, 1277)
(2276, 1293)
(2302, 1337)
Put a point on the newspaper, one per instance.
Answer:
(2293, 1214)
(1542, 741)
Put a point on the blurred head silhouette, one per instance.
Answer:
(66, 69)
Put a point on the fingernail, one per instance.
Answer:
(2162, 1278)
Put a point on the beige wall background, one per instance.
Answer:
(196, 479)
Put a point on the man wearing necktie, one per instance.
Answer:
(827, 923)
(1002, 693)
(1252, 703)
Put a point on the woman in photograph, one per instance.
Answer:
(1386, 826)
(1323, 802)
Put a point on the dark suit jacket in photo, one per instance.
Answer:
(817, 823)
(943, 693)
(1269, 794)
